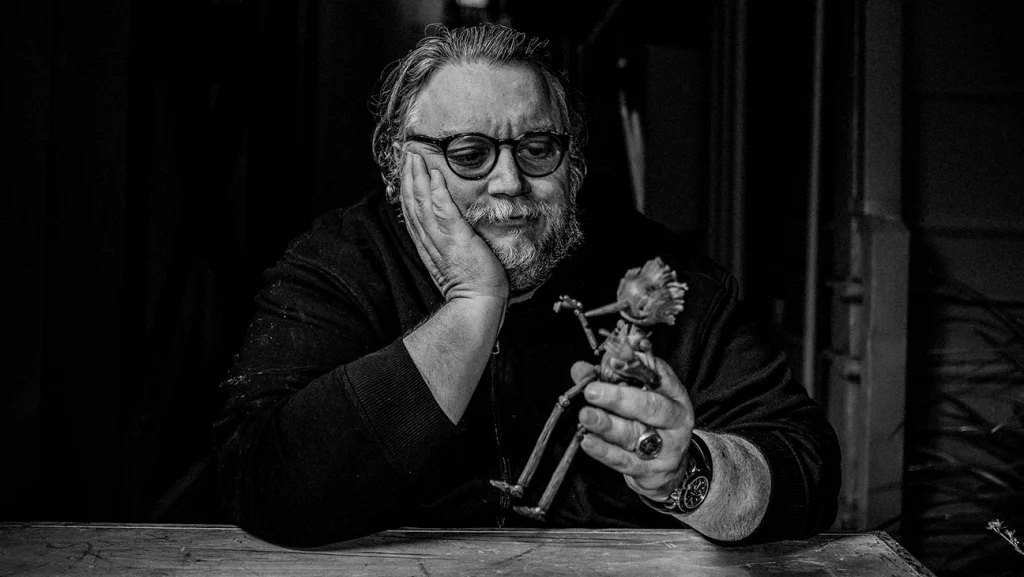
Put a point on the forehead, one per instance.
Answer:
(502, 101)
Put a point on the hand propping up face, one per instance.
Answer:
(457, 258)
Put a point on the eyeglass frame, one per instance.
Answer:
(442, 144)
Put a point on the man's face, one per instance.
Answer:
(524, 219)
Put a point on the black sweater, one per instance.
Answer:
(329, 432)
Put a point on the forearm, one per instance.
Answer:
(296, 465)
(451, 349)
(739, 493)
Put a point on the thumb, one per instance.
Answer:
(583, 372)
(670, 385)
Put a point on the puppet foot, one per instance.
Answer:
(531, 512)
(514, 490)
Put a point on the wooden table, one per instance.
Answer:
(109, 550)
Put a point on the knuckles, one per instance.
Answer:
(651, 405)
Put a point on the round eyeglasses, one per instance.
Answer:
(473, 155)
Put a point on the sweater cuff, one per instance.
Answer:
(398, 406)
(787, 503)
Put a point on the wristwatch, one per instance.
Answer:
(696, 483)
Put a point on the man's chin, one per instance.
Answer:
(510, 243)
(514, 243)
(515, 252)
(527, 264)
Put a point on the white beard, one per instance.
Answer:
(529, 263)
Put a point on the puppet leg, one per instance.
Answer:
(542, 443)
(540, 511)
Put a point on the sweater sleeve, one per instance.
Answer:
(326, 421)
(744, 386)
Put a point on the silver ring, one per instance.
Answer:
(648, 446)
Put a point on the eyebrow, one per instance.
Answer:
(545, 128)
(542, 128)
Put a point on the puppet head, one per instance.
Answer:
(651, 295)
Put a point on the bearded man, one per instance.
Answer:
(405, 351)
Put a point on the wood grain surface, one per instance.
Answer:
(118, 549)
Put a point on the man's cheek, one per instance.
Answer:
(462, 197)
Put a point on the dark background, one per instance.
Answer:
(166, 153)
(161, 154)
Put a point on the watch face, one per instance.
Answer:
(696, 490)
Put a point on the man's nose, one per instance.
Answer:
(506, 178)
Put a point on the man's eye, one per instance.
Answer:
(536, 150)
(469, 155)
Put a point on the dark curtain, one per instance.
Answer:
(249, 119)
(166, 153)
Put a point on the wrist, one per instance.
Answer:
(689, 491)
(695, 485)
(476, 293)
(485, 313)
(478, 304)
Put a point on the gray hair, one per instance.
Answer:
(489, 43)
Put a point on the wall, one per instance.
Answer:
(164, 154)
(964, 204)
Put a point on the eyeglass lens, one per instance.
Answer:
(473, 156)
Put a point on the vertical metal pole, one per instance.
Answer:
(810, 358)
(885, 246)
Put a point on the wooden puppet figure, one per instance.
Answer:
(647, 296)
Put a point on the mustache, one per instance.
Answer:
(501, 210)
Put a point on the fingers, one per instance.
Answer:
(413, 200)
(670, 385)
(431, 215)
(458, 260)
(620, 414)
(615, 432)
(425, 195)
(612, 428)
(612, 441)
(649, 407)
(649, 476)
(446, 212)
(668, 407)
(582, 373)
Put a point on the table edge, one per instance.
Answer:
(472, 530)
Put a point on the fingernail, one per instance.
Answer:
(588, 417)
(592, 393)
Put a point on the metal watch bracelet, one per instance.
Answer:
(696, 483)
